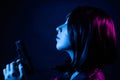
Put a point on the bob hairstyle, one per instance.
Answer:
(93, 38)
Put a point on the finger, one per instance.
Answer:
(7, 67)
(4, 72)
(13, 67)
(21, 71)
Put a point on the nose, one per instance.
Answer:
(58, 29)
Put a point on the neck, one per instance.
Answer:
(71, 54)
(78, 75)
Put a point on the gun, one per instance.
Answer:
(23, 56)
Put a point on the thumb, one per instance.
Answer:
(20, 68)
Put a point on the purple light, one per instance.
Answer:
(97, 75)
(56, 78)
(105, 23)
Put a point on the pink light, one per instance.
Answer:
(109, 26)
(56, 78)
(97, 75)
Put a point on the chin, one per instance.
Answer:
(59, 48)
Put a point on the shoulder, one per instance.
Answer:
(97, 74)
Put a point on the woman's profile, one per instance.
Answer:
(88, 36)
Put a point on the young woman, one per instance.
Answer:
(89, 37)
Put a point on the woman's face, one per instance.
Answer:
(63, 42)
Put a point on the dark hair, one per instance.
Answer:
(93, 38)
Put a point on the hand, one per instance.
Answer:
(13, 71)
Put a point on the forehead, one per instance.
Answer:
(66, 21)
(64, 24)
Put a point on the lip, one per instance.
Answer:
(57, 38)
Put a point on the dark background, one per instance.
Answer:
(34, 21)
